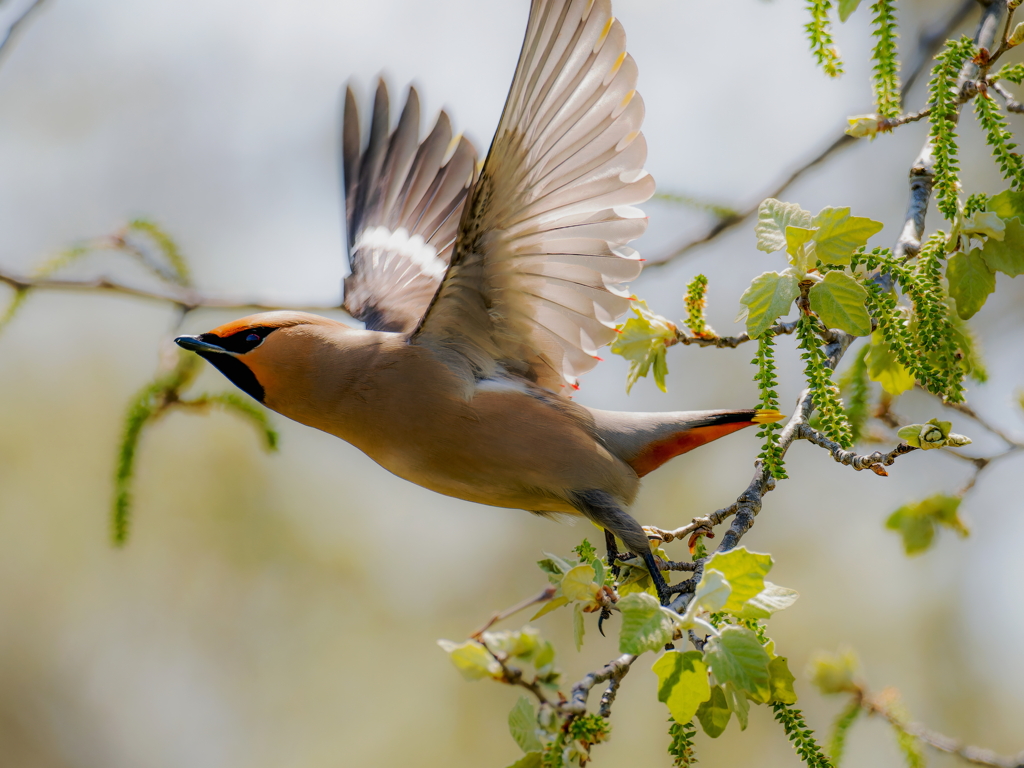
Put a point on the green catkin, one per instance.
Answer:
(819, 34)
(840, 728)
(767, 381)
(824, 392)
(885, 64)
(945, 108)
(800, 736)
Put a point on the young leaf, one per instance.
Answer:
(1006, 255)
(578, 583)
(840, 234)
(682, 683)
(768, 298)
(839, 301)
(1007, 204)
(846, 7)
(934, 434)
(773, 217)
(738, 703)
(646, 626)
(522, 724)
(835, 673)
(471, 659)
(884, 368)
(714, 713)
(781, 681)
(578, 627)
(745, 572)
(796, 238)
(916, 522)
(971, 280)
(642, 341)
(771, 599)
(736, 656)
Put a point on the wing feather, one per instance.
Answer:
(403, 201)
(534, 286)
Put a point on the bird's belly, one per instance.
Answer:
(503, 449)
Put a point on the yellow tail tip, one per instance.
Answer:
(765, 416)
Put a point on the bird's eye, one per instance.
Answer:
(252, 337)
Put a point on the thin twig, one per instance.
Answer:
(935, 740)
(543, 597)
(185, 299)
(730, 342)
(876, 461)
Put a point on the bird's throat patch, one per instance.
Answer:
(237, 372)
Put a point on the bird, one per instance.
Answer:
(485, 292)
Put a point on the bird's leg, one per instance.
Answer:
(603, 509)
(664, 593)
(613, 552)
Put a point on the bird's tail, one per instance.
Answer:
(645, 441)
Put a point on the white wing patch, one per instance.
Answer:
(413, 253)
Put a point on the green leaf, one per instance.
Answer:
(846, 7)
(835, 673)
(916, 522)
(745, 572)
(840, 302)
(772, 219)
(522, 724)
(781, 681)
(1007, 204)
(646, 626)
(682, 683)
(971, 280)
(984, 223)
(771, 599)
(521, 643)
(1006, 255)
(714, 713)
(884, 368)
(471, 659)
(529, 760)
(840, 234)
(796, 237)
(578, 583)
(578, 627)
(736, 656)
(768, 298)
(642, 341)
(551, 605)
(738, 704)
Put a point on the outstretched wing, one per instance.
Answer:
(403, 203)
(534, 283)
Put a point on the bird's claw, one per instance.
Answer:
(605, 614)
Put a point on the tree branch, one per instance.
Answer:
(614, 670)
(18, 18)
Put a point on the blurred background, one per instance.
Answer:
(247, 623)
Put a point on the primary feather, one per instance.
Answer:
(403, 202)
(534, 283)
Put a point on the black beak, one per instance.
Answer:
(196, 344)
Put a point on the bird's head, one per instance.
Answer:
(262, 353)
